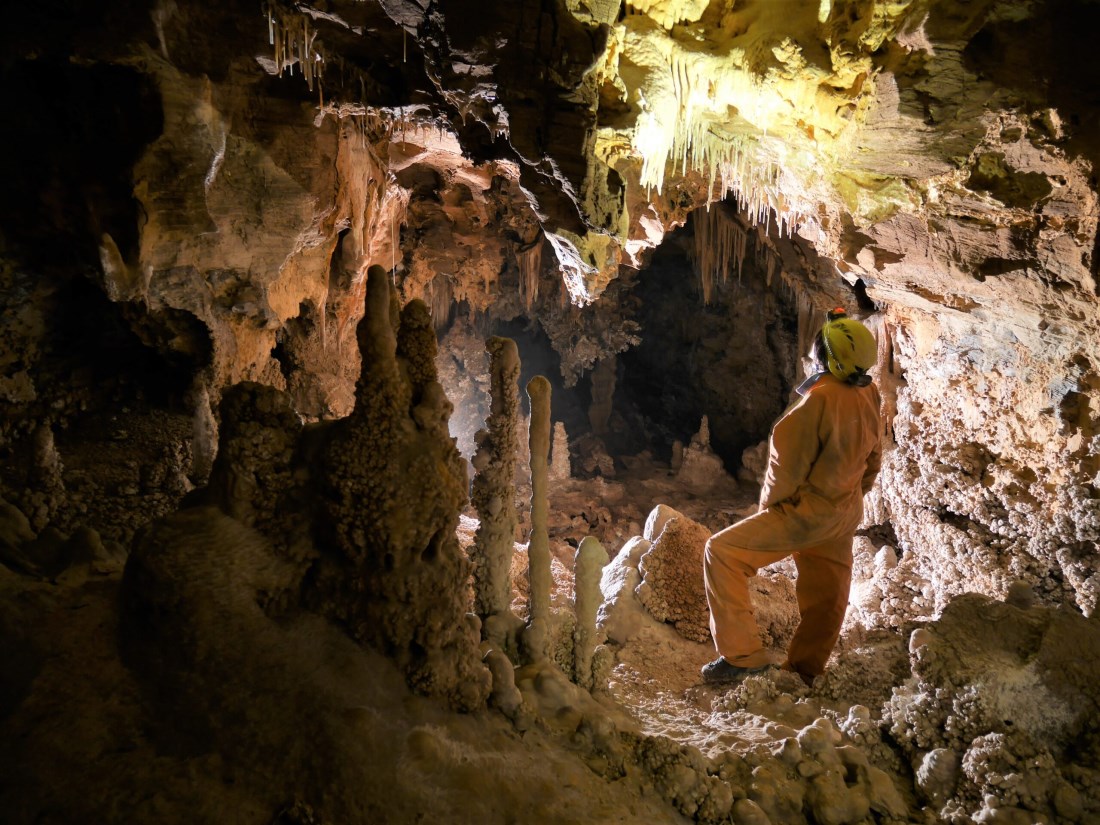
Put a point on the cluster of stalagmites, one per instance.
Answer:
(548, 643)
(357, 516)
(353, 523)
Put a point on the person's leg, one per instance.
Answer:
(727, 569)
(824, 578)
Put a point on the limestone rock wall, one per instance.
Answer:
(990, 369)
(992, 478)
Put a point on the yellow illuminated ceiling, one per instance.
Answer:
(761, 99)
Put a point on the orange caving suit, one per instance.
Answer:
(824, 455)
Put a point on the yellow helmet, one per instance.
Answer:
(850, 347)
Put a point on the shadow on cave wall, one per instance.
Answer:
(81, 129)
(731, 361)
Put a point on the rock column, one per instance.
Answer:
(588, 567)
(493, 488)
(538, 548)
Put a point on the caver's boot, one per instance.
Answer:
(722, 671)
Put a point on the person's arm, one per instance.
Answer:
(793, 449)
(874, 463)
(874, 460)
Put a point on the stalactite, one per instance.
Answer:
(294, 41)
(529, 261)
(373, 206)
(696, 140)
(720, 242)
(807, 328)
(441, 296)
(538, 547)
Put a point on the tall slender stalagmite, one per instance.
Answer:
(603, 391)
(587, 569)
(559, 457)
(538, 548)
(493, 489)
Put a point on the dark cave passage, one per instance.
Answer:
(733, 360)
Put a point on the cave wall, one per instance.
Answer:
(993, 476)
(228, 209)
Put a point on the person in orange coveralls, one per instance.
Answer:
(824, 456)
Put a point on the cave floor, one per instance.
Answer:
(656, 673)
(655, 678)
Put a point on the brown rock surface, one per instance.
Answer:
(193, 193)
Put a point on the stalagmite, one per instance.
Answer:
(603, 391)
(701, 468)
(560, 469)
(590, 561)
(47, 472)
(505, 695)
(395, 581)
(492, 495)
(538, 549)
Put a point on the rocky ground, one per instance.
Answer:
(935, 722)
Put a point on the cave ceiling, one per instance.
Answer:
(937, 154)
(925, 147)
